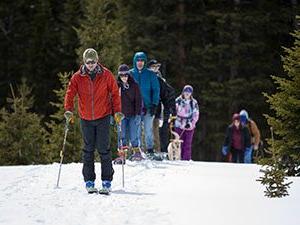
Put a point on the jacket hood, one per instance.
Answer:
(139, 55)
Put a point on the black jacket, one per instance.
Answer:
(167, 99)
(246, 139)
(130, 98)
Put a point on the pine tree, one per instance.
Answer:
(102, 30)
(22, 138)
(285, 103)
(56, 127)
(71, 16)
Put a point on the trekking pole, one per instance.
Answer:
(69, 117)
(120, 148)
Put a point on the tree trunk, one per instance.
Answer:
(180, 11)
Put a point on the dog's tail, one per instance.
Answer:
(176, 136)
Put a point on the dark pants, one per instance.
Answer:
(164, 136)
(96, 135)
(237, 155)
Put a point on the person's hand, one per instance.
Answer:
(255, 147)
(224, 150)
(69, 116)
(152, 110)
(118, 117)
(172, 118)
(187, 126)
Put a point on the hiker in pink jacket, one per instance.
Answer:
(187, 116)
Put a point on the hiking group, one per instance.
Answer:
(145, 108)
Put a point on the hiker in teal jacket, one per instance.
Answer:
(149, 87)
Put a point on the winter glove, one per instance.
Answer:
(172, 118)
(69, 116)
(187, 126)
(224, 150)
(248, 155)
(152, 110)
(118, 117)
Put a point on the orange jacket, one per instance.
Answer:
(97, 98)
(254, 132)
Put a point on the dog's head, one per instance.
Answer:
(176, 143)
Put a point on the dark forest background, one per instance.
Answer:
(226, 49)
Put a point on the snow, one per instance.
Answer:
(156, 193)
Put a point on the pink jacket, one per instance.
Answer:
(187, 113)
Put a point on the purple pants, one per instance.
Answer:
(186, 147)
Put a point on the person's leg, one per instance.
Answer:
(134, 124)
(148, 125)
(89, 137)
(234, 155)
(102, 144)
(156, 134)
(241, 156)
(164, 136)
(188, 138)
(248, 155)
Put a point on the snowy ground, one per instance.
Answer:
(156, 193)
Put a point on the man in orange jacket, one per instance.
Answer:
(98, 99)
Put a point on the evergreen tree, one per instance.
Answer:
(285, 104)
(71, 16)
(56, 127)
(22, 138)
(101, 30)
(285, 122)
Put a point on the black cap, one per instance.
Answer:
(153, 62)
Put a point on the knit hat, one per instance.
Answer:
(90, 54)
(187, 88)
(235, 116)
(123, 69)
(153, 62)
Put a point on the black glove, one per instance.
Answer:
(152, 110)
(187, 126)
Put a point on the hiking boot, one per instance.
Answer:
(106, 184)
(90, 187)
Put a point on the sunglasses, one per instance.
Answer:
(90, 62)
(124, 75)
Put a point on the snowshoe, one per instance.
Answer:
(90, 187)
(155, 156)
(136, 157)
(106, 187)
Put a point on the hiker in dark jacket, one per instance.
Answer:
(166, 108)
(237, 140)
(131, 106)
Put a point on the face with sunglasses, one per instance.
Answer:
(90, 64)
(124, 77)
(155, 67)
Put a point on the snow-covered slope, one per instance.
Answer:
(156, 193)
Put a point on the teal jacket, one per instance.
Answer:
(147, 81)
